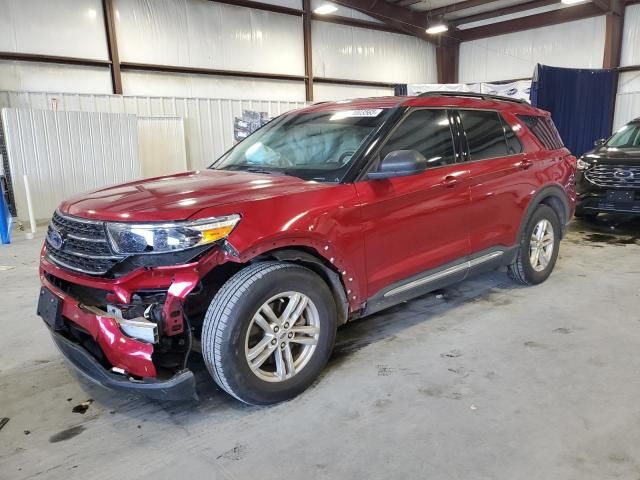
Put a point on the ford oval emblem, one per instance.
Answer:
(55, 238)
(622, 174)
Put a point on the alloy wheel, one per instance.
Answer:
(541, 245)
(282, 336)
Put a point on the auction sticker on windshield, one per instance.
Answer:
(372, 112)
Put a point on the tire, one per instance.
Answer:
(522, 270)
(232, 322)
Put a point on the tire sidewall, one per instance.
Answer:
(542, 212)
(230, 341)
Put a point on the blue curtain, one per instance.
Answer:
(581, 103)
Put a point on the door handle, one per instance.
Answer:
(526, 164)
(449, 181)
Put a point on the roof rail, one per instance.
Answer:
(483, 96)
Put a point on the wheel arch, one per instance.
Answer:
(312, 260)
(554, 197)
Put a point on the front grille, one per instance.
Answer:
(84, 245)
(614, 176)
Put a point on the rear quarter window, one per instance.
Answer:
(488, 136)
(544, 130)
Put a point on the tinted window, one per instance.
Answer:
(544, 129)
(485, 134)
(513, 144)
(426, 131)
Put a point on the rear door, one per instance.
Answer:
(500, 178)
(418, 222)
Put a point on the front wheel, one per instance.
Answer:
(269, 332)
(539, 247)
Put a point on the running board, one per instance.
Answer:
(438, 278)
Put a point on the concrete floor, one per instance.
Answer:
(485, 380)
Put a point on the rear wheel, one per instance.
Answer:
(269, 332)
(539, 247)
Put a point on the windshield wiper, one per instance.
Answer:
(262, 170)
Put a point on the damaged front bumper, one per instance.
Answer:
(116, 352)
(181, 386)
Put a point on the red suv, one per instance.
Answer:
(324, 215)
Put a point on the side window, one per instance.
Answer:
(485, 134)
(426, 131)
(544, 129)
(513, 144)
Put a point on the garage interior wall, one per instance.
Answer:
(202, 34)
(628, 98)
(208, 122)
(577, 44)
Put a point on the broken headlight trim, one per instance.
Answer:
(141, 239)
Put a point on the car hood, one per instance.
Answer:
(178, 197)
(614, 156)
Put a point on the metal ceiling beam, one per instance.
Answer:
(578, 12)
(439, 12)
(354, 22)
(408, 3)
(604, 5)
(397, 17)
(522, 7)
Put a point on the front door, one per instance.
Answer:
(416, 223)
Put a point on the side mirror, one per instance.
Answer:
(600, 142)
(400, 163)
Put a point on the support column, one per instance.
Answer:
(308, 59)
(614, 23)
(447, 58)
(112, 46)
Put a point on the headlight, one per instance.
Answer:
(582, 165)
(134, 239)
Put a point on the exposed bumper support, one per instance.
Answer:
(179, 387)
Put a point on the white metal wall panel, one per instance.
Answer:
(64, 153)
(29, 76)
(343, 11)
(353, 53)
(628, 99)
(208, 86)
(323, 92)
(161, 146)
(208, 122)
(200, 33)
(71, 28)
(578, 44)
(631, 37)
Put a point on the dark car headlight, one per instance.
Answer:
(136, 239)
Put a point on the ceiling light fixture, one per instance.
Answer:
(437, 28)
(571, 2)
(325, 9)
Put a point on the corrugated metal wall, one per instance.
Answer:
(64, 153)
(208, 122)
(161, 146)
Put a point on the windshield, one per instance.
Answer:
(627, 137)
(313, 146)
